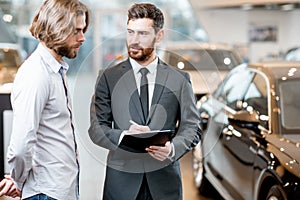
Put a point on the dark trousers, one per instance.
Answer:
(144, 193)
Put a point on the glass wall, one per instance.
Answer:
(106, 37)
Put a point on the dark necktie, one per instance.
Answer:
(144, 91)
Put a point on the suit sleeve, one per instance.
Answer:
(189, 131)
(100, 130)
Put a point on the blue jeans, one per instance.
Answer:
(39, 197)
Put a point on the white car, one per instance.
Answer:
(206, 63)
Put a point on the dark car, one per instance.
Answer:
(251, 143)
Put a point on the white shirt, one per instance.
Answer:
(151, 76)
(41, 153)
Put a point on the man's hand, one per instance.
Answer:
(136, 128)
(160, 153)
(8, 188)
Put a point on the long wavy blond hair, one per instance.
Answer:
(55, 21)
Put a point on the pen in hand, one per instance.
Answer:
(138, 127)
(134, 123)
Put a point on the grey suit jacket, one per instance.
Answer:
(115, 102)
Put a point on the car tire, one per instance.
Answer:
(203, 185)
(276, 193)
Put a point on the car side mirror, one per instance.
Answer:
(244, 118)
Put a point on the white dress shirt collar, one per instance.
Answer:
(151, 67)
(50, 60)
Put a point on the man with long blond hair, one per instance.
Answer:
(42, 153)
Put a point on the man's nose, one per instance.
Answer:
(135, 38)
(81, 37)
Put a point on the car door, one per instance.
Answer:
(224, 103)
(241, 140)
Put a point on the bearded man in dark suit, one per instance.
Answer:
(153, 173)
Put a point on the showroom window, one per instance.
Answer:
(105, 39)
(290, 103)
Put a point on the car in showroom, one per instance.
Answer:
(11, 57)
(207, 63)
(293, 54)
(251, 134)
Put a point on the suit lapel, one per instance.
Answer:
(160, 82)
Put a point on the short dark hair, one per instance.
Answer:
(147, 10)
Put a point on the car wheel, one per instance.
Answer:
(202, 184)
(276, 193)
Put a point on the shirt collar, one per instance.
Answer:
(151, 67)
(50, 60)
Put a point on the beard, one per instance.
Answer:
(143, 54)
(66, 51)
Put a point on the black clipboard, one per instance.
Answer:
(139, 142)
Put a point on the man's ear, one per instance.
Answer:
(159, 35)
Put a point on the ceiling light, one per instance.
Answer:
(227, 61)
(247, 7)
(180, 65)
(7, 18)
(287, 7)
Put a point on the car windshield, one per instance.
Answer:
(290, 103)
(201, 59)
